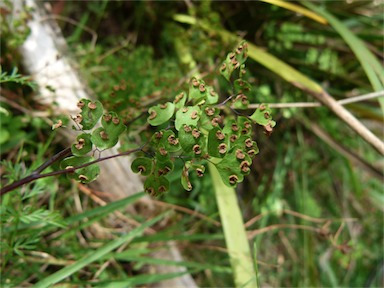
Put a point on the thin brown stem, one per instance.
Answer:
(187, 211)
(345, 101)
(348, 118)
(253, 233)
(350, 155)
(66, 152)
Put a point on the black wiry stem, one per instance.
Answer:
(35, 175)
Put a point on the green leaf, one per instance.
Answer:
(189, 136)
(241, 86)
(83, 145)
(212, 96)
(262, 116)
(84, 175)
(170, 142)
(241, 52)
(162, 155)
(156, 186)
(157, 137)
(188, 115)
(180, 100)
(102, 139)
(161, 113)
(217, 143)
(234, 166)
(234, 60)
(245, 125)
(197, 90)
(207, 116)
(231, 127)
(240, 101)
(246, 143)
(163, 165)
(107, 136)
(226, 69)
(142, 165)
(113, 124)
(91, 112)
(199, 169)
(185, 182)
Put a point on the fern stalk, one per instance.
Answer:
(235, 235)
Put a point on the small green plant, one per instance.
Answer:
(17, 78)
(194, 128)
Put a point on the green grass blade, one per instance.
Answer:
(149, 260)
(297, 9)
(266, 59)
(377, 199)
(96, 255)
(140, 280)
(234, 231)
(368, 61)
(282, 69)
(255, 263)
(167, 237)
(96, 214)
(104, 210)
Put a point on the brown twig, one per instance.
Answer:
(356, 159)
(298, 215)
(345, 101)
(186, 210)
(253, 220)
(89, 192)
(347, 117)
(305, 217)
(253, 233)
(15, 105)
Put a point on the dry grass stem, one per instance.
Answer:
(351, 121)
(89, 192)
(187, 211)
(345, 101)
(354, 158)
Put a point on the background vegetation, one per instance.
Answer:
(314, 214)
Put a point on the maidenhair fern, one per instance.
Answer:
(194, 128)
